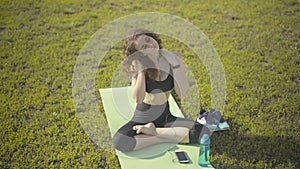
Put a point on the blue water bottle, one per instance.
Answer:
(204, 151)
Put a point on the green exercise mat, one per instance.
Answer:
(119, 107)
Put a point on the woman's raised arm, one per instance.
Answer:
(181, 83)
(138, 82)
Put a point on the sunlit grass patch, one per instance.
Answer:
(258, 44)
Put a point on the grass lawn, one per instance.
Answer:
(257, 42)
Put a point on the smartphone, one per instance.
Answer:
(181, 156)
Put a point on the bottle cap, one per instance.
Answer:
(205, 139)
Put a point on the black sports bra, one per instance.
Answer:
(161, 86)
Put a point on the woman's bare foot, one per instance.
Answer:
(148, 129)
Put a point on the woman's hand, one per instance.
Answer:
(136, 66)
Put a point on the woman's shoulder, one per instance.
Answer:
(170, 53)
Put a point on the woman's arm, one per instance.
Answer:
(181, 83)
(138, 83)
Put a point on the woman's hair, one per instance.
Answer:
(129, 45)
(129, 52)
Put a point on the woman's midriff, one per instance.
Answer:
(156, 98)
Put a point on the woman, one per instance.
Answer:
(155, 73)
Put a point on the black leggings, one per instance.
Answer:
(160, 115)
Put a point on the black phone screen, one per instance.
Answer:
(182, 157)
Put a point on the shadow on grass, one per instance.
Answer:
(242, 146)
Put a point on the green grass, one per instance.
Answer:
(257, 41)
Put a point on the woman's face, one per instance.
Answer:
(145, 42)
